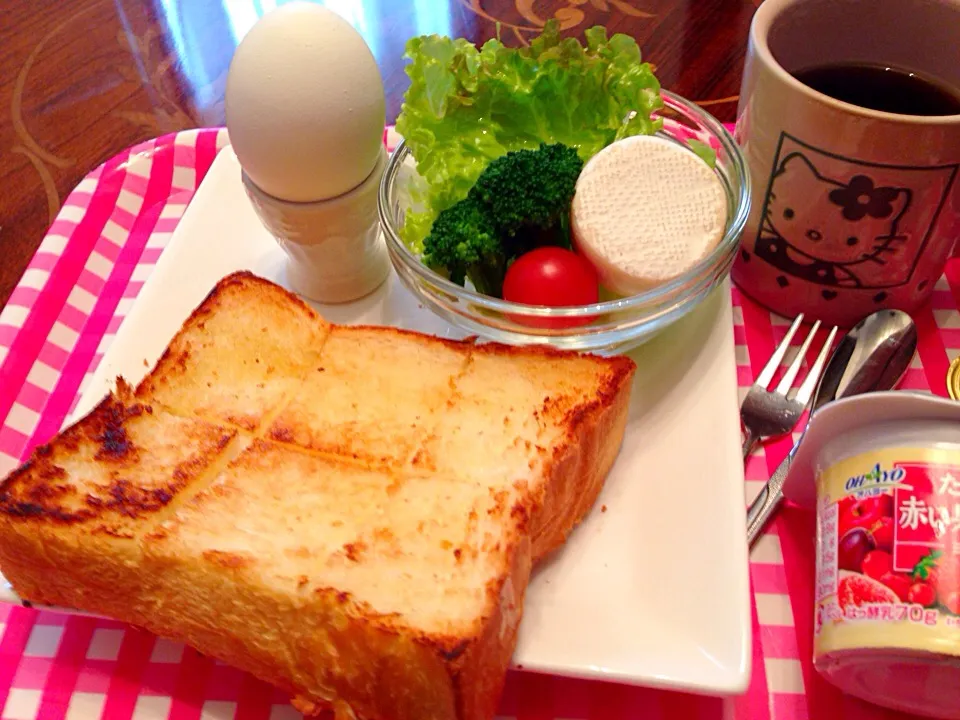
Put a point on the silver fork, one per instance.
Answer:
(770, 413)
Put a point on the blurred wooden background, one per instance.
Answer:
(81, 80)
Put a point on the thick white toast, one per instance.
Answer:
(71, 517)
(375, 396)
(350, 513)
(242, 354)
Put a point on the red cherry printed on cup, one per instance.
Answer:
(552, 277)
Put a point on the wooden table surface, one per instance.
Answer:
(81, 80)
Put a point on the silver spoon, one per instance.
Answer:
(873, 356)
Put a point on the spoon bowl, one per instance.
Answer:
(873, 356)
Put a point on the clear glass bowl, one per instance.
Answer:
(605, 327)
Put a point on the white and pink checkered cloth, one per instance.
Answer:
(57, 326)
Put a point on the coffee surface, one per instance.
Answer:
(882, 87)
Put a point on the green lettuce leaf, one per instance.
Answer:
(704, 151)
(466, 106)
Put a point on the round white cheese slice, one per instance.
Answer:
(645, 211)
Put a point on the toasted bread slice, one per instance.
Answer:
(375, 394)
(539, 421)
(70, 516)
(343, 578)
(350, 513)
(240, 355)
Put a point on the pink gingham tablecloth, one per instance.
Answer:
(54, 331)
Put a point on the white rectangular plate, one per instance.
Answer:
(652, 588)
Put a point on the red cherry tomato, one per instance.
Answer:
(554, 277)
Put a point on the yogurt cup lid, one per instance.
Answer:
(834, 418)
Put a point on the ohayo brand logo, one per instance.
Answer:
(876, 477)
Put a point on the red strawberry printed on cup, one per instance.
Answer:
(922, 593)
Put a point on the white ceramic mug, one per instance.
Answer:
(853, 209)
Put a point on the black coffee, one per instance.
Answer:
(881, 87)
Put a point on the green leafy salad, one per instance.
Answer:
(466, 106)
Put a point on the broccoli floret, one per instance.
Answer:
(527, 191)
(464, 241)
(520, 201)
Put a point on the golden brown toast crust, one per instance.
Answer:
(217, 485)
(238, 321)
(69, 516)
(43, 490)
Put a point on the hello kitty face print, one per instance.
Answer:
(841, 224)
(827, 232)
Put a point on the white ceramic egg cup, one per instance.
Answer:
(335, 251)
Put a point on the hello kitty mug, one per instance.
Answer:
(853, 208)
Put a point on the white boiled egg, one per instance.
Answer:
(305, 104)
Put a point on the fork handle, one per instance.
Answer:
(765, 505)
(750, 440)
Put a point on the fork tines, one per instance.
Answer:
(773, 412)
(805, 391)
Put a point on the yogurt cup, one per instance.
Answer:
(882, 472)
